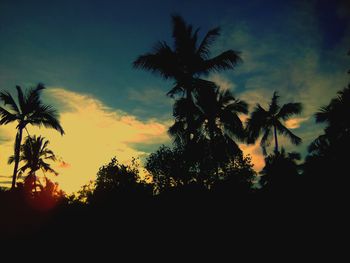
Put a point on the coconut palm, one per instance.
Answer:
(34, 155)
(187, 61)
(218, 114)
(28, 110)
(270, 122)
(219, 123)
(333, 114)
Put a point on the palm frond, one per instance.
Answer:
(288, 110)
(46, 116)
(32, 98)
(285, 131)
(266, 140)
(7, 98)
(324, 114)
(256, 122)
(204, 48)
(238, 106)
(226, 60)
(162, 61)
(11, 159)
(6, 116)
(178, 88)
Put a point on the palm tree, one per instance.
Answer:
(218, 114)
(34, 155)
(187, 61)
(219, 123)
(215, 120)
(270, 121)
(333, 114)
(29, 110)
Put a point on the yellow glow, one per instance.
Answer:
(94, 134)
(295, 123)
(255, 152)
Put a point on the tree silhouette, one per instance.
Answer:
(333, 115)
(326, 164)
(115, 180)
(29, 110)
(34, 154)
(219, 123)
(186, 62)
(281, 172)
(270, 121)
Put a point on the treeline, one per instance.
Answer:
(203, 169)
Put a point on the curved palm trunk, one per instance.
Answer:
(276, 141)
(17, 152)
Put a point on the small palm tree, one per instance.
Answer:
(29, 110)
(270, 121)
(34, 155)
(187, 61)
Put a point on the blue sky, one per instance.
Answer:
(87, 48)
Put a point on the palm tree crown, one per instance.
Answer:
(28, 110)
(269, 122)
(184, 63)
(188, 59)
(34, 155)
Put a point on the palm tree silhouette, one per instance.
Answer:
(264, 121)
(333, 114)
(29, 110)
(34, 155)
(187, 61)
(218, 114)
(219, 123)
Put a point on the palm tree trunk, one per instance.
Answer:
(189, 117)
(212, 146)
(276, 141)
(17, 153)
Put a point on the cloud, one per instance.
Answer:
(222, 82)
(293, 62)
(149, 96)
(94, 134)
(295, 123)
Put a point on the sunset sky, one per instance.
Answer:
(83, 52)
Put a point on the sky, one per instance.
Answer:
(83, 50)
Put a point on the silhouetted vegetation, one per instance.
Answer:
(202, 170)
(29, 110)
(326, 164)
(268, 122)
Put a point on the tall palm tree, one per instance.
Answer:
(270, 121)
(187, 60)
(35, 154)
(28, 110)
